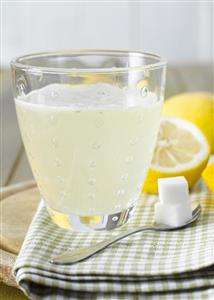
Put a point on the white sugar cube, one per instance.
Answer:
(173, 190)
(174, 208)
(173, 215)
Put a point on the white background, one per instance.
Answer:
(181, 31)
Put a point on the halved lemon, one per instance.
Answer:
(181, 150)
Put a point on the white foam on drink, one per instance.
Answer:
(100, 96)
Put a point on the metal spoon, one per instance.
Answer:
(80, 254)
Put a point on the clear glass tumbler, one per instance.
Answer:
(89, 122)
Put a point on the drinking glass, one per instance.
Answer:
(89, 122)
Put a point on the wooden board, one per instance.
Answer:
(18, 205)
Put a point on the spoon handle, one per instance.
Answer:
(79, 254)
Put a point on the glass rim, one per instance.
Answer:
(18, 62)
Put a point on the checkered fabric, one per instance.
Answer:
(147, 265)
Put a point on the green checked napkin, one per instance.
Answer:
(147, 265)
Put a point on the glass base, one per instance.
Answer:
(91, 223)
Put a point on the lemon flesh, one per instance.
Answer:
(181, 150)
(194, 107)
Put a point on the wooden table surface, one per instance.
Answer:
(14, 164)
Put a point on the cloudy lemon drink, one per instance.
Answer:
(89, 122)
(89, 146)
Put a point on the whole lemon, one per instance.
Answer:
(195, 107)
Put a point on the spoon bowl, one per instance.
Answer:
(195, 214)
